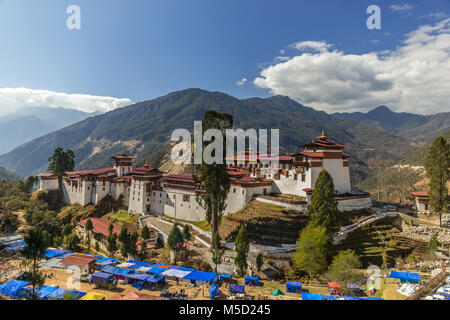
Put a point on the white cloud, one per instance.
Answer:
(12, 99)
(402, 8)
(241, 82)
(434, 15)
(306, 46)
(415, 77)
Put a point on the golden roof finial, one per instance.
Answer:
(323, 136)
(146, 164)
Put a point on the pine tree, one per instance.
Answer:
(88, 228)
(36, 243)
(242, 247)
(60, 162)
(437, 167)
(259, 261)
(175, 241)
(217, 251)
(312, 250)
(187, 233)
(214, 177)
(344, 269)
(145, 233)
(323, 210)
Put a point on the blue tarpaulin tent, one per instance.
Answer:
(201, 276)
(44, 292)
(316, 296)
(405, 276)
(372, 298)
(213, 291)
(100, 278)
(225, 276)
(51, 253)
(295, 287)
(60, 293)
(12, 288)
(354, 298)
(117, 271)
(252, 281)
(237, 288)
(157, 270)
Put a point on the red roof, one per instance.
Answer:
(185, 177)
(334, 285)
(122, 157)
(100, 226)
(88, 172)
(47, 175)
(308, 190)
(78, 260)
(312, 154)
(324, 143)
(420, 193)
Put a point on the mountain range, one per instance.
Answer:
(29, 123)
(144, 128)
(418, 128)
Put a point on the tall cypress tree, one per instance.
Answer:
(60, 162)
(242, 247)
(323, 210)
(437, 167)
(214, 177)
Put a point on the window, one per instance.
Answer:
(186, 198)
(160, 194)
(153, 194)
(104, 188)
(148, 199)
(243, 191)
(303, 178)
(234, 190)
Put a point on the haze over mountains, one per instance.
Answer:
(29, 123)
(145, 128)
(417, 127)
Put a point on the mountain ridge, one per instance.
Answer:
(145, 127)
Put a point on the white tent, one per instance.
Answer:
(176, 273)
(125, 265)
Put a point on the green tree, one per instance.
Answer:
(60, 162)
(73, 242)
(145, 233)
(29, 183)
(217, 251)
(242, 246)
(187, 233)
(214, 177)
(88, 228)
(259, 261)
(67, 230)
(434, 243)
(111, 244)
(110, 228)
(175, 241)
(132, 244)
(344, 269)
(36, 244)
(437, 168)
(312, 250)
(123, 239)
(323, 210)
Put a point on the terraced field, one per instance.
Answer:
(266, 224)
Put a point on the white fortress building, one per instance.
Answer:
(147, 190)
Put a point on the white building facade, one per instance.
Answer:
(146, 190)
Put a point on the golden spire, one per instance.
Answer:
(146, 164)
(323, 136)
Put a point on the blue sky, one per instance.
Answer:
(144, 49)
